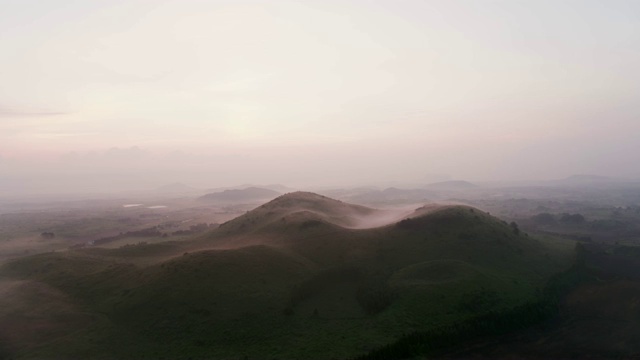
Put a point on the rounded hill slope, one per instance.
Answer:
(300, 208)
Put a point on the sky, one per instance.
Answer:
(132, 94)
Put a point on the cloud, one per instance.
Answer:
(8, 112)
(54, 135)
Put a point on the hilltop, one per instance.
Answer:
(305, 205)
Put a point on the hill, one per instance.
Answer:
(302, 276)
(303, 215)
(452, 185)
(278, 187)
(305, 205)
(249, 194)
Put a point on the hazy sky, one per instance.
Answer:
(145, 92)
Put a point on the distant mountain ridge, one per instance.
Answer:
(176, 187)
(452, 185)
(275, 187)
(588, 178)
(239, 195)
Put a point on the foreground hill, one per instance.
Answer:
(302, 276)
(302, 208)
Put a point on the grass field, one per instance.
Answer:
(262, 287)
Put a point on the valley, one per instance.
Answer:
(339, 180)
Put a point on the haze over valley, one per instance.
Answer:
(130, 96)
(313, 179)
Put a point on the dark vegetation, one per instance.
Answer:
(47, 235)
(289, 280)
(487, 322)
(372, 292)
(594, 315)
(151, 232)
(294, 278)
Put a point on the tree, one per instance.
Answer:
(48, 235)
(514, 228)
(574, 219)
(544, 219)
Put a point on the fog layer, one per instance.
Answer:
(104, 96)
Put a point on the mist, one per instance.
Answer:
(106, 97)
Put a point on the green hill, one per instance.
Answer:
(296, 207)
(294, 278)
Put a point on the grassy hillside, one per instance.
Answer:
(316, 286)
(298, 207)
